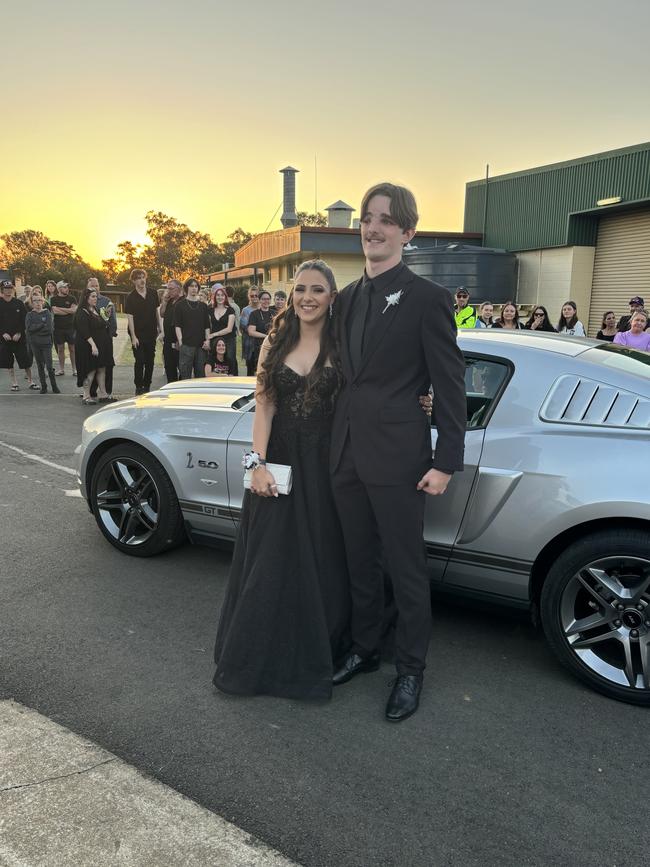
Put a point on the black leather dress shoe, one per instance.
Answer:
(405, 697)
(354, 664)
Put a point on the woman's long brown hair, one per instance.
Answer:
(285, 334)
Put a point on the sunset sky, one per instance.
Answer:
(115, 108)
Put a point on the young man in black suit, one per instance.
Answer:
(398, 335)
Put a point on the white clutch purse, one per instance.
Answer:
(280, 472)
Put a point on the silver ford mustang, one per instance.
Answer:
(552, 512)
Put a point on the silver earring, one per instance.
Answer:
(330, 311)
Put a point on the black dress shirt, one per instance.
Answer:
(143, 310)
(368, 304)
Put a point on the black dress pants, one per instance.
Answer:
(385, 520)
(170, 361)
(143, 364)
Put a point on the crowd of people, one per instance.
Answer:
(43, 320)
(630, 330)
(199, 330)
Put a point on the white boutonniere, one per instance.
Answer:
(392, 300)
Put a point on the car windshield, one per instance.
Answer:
(621, 358)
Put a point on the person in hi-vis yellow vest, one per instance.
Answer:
(464, 312)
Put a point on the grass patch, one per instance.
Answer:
(126, 356)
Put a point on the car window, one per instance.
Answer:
(485, 379)
(621, 358)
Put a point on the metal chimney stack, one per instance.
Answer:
(289, 217)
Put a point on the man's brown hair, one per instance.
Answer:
(403, 208)
(137, 273)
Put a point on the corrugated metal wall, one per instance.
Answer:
(530, 210)
(621, 266)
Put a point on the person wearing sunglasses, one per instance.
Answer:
(539, 320)
(463, 311)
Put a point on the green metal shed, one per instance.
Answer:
(556, 205)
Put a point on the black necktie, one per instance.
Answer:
(358, 324)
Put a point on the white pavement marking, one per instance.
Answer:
(39, 459)
(27, 436)
(64, 800)
(74, 492)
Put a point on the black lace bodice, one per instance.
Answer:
(290, 391)
(299, 425)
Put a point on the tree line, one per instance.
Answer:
(173, 250)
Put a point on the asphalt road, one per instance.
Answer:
(509, 761)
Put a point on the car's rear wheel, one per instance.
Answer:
(134, 502)
(595, 610)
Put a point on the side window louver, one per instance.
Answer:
(577, 400)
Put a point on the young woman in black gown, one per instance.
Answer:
(285, 615)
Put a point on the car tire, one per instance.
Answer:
(134, 502)
(595, 611)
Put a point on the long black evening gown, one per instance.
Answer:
(285, 616)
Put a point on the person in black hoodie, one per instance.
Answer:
(39, 328)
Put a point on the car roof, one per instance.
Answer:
(482, 339)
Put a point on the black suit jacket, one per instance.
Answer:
(408, 347)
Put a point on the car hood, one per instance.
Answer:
(241, 384)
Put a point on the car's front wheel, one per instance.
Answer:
(595, 610)
(134, 502)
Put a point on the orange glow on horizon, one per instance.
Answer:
(190, 111)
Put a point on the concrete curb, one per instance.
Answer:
(66, 801)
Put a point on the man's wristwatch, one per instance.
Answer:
(252, 460)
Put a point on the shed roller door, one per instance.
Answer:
(621, 266)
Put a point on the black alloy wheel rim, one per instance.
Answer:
(127, 502)
(605, 617)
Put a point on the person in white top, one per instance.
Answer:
(569, 322)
